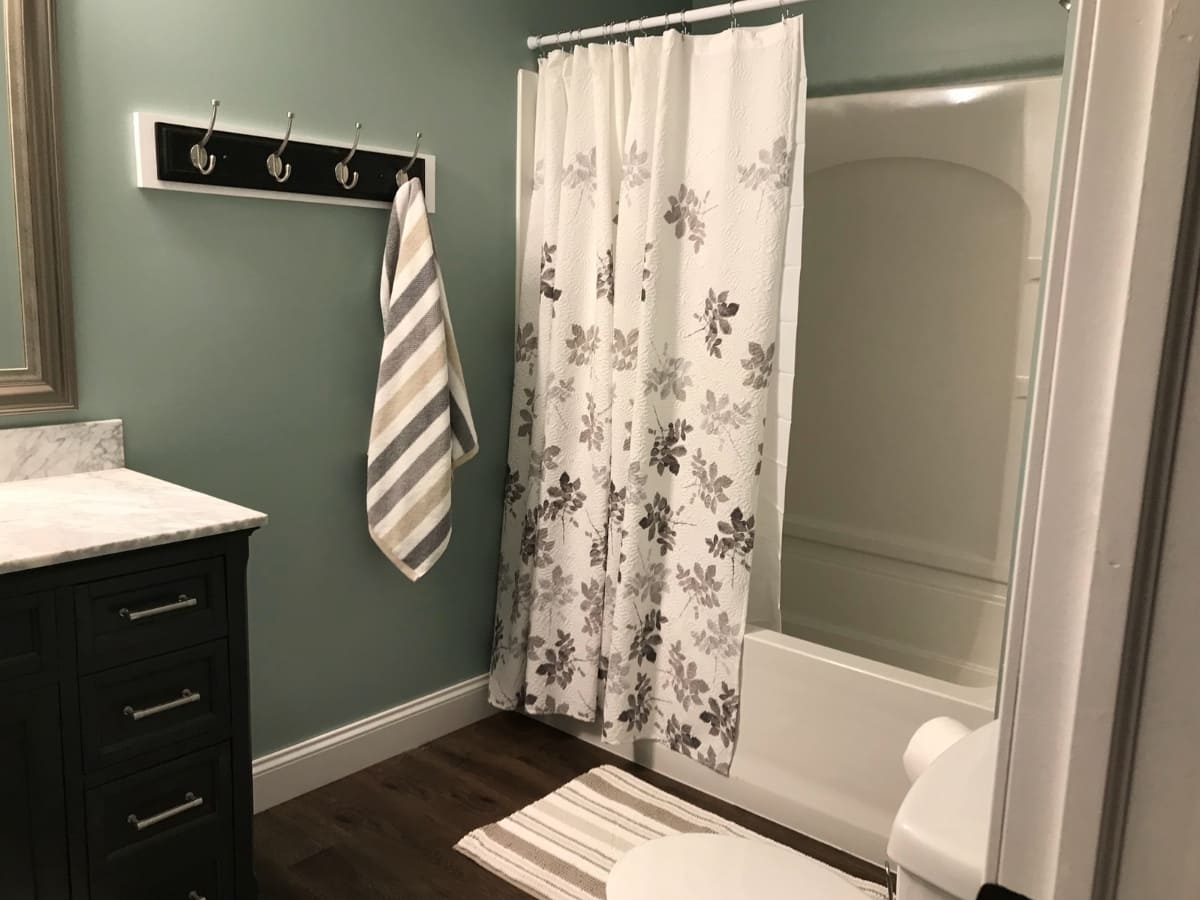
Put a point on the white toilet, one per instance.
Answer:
(938, 846)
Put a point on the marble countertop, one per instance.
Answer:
(50, 520)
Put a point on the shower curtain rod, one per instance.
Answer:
(679, 18)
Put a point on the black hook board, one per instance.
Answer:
(241, 162)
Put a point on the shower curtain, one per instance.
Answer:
(645, 341)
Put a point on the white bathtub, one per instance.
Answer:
(821, 739)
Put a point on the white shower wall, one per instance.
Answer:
(765, 577)
(904, 352)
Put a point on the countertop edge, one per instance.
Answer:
(31, 563)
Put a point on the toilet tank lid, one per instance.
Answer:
(940, 834)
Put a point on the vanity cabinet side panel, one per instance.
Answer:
(236, 560)
(72, 743)
(33, 826)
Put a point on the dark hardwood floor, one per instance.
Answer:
(388, 832)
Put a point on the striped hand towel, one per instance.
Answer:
(422, 427)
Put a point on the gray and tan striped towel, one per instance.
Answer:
(422, 429)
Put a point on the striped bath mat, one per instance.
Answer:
(563, 846)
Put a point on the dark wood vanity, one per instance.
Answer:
(124, 726)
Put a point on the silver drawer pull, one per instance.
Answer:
(185, 697)
(184, 602)
(190, 801)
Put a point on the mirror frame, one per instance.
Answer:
(47, 380)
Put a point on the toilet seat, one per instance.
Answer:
(722, 867)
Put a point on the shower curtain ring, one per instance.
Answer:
(732, 14)
(783, 11)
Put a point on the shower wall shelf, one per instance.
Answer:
(163, 161)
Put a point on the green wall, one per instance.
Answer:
(863, 45)
(239, 338)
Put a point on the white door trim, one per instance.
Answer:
(1130, 88)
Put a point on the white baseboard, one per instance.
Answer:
(325, 758)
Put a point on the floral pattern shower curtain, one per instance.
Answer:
(645, 338)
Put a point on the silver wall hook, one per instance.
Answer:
(341, 171)
(204, 161)
(402, 175)
(280, 170)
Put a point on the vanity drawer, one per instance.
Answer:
(162, 822)
(201, 875)
(150, 612)
(146, 705)
(27, 635)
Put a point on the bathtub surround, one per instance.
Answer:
(786, 768)
(422, 429)
(644, 349)
(916, 321)
(61, 449)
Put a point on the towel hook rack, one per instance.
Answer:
(280, 170)
(341, 171)
(280, 162)
(402, 175)
(204, 161)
